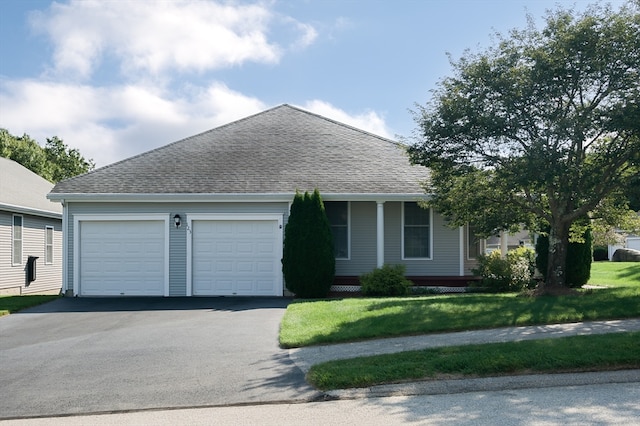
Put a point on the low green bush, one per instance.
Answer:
(600, 253)
(513, 273)
(389, 280)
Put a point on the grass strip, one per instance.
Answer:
(12, 304)
(577, 353)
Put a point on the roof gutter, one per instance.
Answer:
(232, 197)
(31, 211)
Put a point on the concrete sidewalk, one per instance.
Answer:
(305, 357)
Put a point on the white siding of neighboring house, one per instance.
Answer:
(48, 276)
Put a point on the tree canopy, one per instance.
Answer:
(55, 162)
(541, 129)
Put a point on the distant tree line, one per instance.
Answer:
(54, 162)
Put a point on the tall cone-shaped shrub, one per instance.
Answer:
(308, 261)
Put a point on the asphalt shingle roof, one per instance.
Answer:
(276, 151)
(20, 187)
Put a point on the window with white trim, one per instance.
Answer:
(338, 215)
(48, 245)
(474, 244)
(16, 240)
(416, 224)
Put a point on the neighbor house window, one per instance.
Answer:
(416, 231)
(16, 240)
(338, 214)
(48, 244)
(474, 244)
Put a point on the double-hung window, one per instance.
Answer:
(416, 223)
(474, 244)
(16, 240)
(338, 215)
(48, 245)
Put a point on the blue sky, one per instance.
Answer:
(117, 78)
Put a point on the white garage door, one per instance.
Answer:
(236, 257)
(122, 258)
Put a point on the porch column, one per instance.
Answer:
(504, 241)
(462, 251)
(380, 233)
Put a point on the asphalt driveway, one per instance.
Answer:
(79, 355)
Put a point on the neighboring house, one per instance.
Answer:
(30, 226)
(630, 242)
(205, 216)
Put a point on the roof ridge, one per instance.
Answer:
(340, 123)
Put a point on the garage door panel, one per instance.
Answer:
(122, 257)
(243, 255)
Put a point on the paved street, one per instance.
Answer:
(610, 404)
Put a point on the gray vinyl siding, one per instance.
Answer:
(363, 234)
(177, 258)
(445, 251)
(177, 236)
(48, 276)
(363, 241)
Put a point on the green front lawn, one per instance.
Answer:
(11, 304)
(615, 274)
(332, 321)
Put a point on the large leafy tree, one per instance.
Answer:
(55, 162)
(541, 129)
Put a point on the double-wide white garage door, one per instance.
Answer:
(226, 256)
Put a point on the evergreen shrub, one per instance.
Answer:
(308, 261)
(600, 253)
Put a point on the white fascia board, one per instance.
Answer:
(30, 211)
(234, 197)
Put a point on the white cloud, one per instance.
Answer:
(159, 36)
(115, 122)
(370, 121)
(148, 105)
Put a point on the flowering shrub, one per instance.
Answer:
(515, 273)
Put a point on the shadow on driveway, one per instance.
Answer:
(114, 304)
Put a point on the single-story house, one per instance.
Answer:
(30, 233)
(205, 216)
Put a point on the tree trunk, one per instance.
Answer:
(558, 246)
